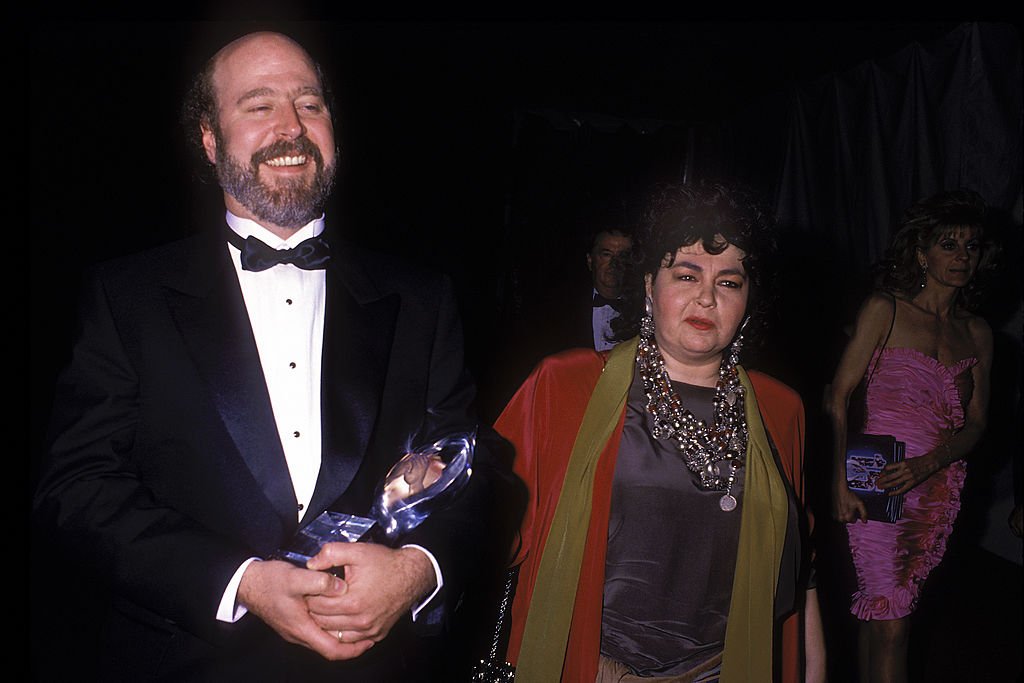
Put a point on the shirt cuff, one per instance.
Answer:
(228, 611)
(437, 575)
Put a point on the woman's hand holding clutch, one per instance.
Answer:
(905, 475)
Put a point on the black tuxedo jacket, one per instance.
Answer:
(166, 470)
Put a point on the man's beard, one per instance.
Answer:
(289, 203)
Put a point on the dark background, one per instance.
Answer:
(478, 147)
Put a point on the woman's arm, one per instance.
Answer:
(815, 669)
(909, 473)
(872, 326)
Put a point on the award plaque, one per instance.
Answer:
(328, 527)
(423, 480)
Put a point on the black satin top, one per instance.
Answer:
(671, 550)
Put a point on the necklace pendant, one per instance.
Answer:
(727, 503)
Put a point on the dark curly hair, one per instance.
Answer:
(679, 215)
(199, 107)
(923, 226)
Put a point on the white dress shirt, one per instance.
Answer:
(602, 320)
(286, 311)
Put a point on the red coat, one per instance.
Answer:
(542, 421)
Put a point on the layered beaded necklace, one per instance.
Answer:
(713, 453)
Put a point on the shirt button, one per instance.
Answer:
(301, 506)
(295, 434)
(288, 301)
(292, 365)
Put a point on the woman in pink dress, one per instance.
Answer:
(926, 358)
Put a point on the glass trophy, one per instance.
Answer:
(423, 480)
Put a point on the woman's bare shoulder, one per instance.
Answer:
(880, 304)
(980, 331)
(875, 316)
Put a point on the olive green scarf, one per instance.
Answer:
(748, 639)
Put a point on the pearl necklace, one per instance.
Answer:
(713, 453)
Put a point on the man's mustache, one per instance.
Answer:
(299, 146)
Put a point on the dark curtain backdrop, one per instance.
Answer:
(863, 145)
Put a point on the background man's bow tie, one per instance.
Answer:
(311, 254)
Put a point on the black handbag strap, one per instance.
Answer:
(892, 323)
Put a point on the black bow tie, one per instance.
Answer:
(601, 300)
(311, 254)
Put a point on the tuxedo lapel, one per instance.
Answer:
(359, 325)
(210, 312)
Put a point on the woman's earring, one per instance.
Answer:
(647, 322)
(737, 344)
(924, 275)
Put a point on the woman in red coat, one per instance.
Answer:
(662, 540)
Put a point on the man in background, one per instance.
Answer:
(605, 261)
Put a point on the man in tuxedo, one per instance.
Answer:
(604, 261)
(226, 389)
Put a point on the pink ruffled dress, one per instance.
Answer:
(920, 401)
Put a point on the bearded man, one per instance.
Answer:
(226, 389)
